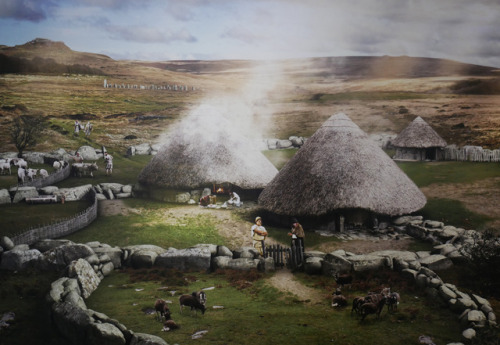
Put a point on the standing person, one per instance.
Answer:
(234, 199)
(259, 235)
(297, 234)
(88, 128)
(108, 159)
(77, 127)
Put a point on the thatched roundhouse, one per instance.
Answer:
(341, 175)
(419, 141)
(203, 152)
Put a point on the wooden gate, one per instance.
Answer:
(291, 257)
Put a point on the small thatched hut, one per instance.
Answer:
(340, 174)
(203, 152)
(419, 141)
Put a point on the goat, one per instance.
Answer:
(342, 279)
(192, 302)
(44, 173)
(372, 308)
(21, 174)
(162, 309)
(393, 301)
(169, 325)
(31, 173)
(201, 296)
(357, 302)
(338, 300)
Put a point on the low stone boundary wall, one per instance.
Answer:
(40, 182)
(87, 264)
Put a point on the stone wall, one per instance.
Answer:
(86, 265)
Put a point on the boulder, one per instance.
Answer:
(243, 264)
(6, 243)
(48, 244)
(17, 260)
(143, 258)
(131, 151)
(284, 144)
(196, 258)
(182, 198)
(446, 292)
(127, 188)
(88, 153)
(86, 276)
(71, 321)
(146, 339)
(436, 262)
(75, 193)
(313, 265)
(245, 253)
(105, 333)
(114, 187)
(221, 262)
(34, 157)
(123, 195)
(433, 224)
(333, 262)
(49, 190)
(114, 253)
(21, 193)
(61, 256)
(469, 334)
(224, 251)
(368, 262)
(5, 196)
(143, 149)
(404, 220)
(296, 141)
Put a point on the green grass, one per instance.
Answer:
(279, 157)
(427, 173)
(150, 225)
(254, 312)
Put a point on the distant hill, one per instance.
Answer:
(321, 67)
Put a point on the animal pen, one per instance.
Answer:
(290, 257)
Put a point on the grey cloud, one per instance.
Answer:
(28, 10)
(149, 35)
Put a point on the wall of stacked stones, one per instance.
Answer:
(86, 265)
(168, 87)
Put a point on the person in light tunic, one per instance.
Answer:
(259, 234)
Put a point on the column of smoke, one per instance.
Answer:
(245, 113)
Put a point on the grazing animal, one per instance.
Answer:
(357, 302)
(201, 296)
(169, 325)
(58, 165)
(44, 173)
(5, 165)
(393, 301)
(21, 163)
(31, 173)
(192, 302)
(372, 307)
(21, 174)
(80, 169)
(343, 279)
(338, 300)
(162, 310)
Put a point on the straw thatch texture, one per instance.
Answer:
(339, 167)
(418, 134)
(203, 150)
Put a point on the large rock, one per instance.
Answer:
(362, 263)
(114, 253)
(436, 262)
(86, 276)
(75, 193)
(244, 264)
(6, 243)
(105, 333)
(21, 193)
(72, 322)
(313, 265)
(146, 339)
(5, 196)
(143, 258)
(62, 256)
(115, 187)
(88, 153)
(48, 244)
(34, 157)
(143, 149)
(333, 262)
(221, 262)
(196, 258)
(16, 260)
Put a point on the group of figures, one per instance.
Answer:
(259, 235)
(88, 128)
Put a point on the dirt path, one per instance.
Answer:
(285, 281)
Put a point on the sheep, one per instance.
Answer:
(357, 302)
(191, 301)
(58, 165)
(169, 325)
(21, 163)
(31, 173)
(338, 300)
(21, 174)
(393, 301)
(162, 310)
(343, 279)
(5, 165)
(80, 169)
(373, 307)
(44, 173)
(201, 296)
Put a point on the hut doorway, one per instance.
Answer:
(430, 154)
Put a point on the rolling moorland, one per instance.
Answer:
(270, 100)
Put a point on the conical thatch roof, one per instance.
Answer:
(339, 167)
(419, 134)
(203, 150)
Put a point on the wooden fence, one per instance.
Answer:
(471, 154)
(60, 228)
(290, 257)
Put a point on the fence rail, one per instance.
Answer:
(471, 154)
(61, 227)
(291, 257)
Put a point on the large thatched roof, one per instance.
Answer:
(203, 150)
(339, 167)
(418, 134)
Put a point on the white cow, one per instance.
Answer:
(31, 173)
(21, 174)
(44, 173)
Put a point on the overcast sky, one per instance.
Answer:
(461, 30)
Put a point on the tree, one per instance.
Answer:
(25, 131)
